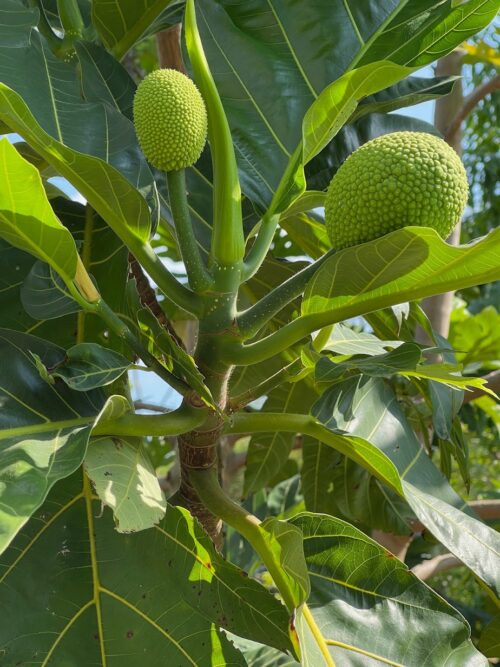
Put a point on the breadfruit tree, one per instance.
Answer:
(255, 233)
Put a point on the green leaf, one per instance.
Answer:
(344, 340)
(27, 220)
(333, 484)
(39, 290)
(122, 23)
(53, 95)
(18, 22)
(447, 374)
(489, 642)
(125, 481)
(177, 360)
(401, 360)
(263, 656)
(337, 101)
(404, 361)
(88, 365)
(104, 79)
(473, 542)
(410, 91)
(108, 192)
(475, 337)
(404, 265)
(44, 295)
(381, 421)
(44, 429)
(357, 585)
(152, 590)
(16, 264)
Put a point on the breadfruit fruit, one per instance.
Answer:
(396, 180)
(170, 119)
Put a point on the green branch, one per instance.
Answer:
(254, 318)
(355, 448)
(198, 276)
(207, 487)
(71, 18)
(260, 246)
(184, 419)
(278, 341)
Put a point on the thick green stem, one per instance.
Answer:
(198, 276)
(228, 243)
(71, 18)
(260, 246)
(279, 341)
(275, 422)
(177, 422)
(254, 318)
(122, 330)
(207, 486)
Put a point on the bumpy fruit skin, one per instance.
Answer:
(396, 180)
(170, 119)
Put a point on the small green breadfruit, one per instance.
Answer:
(396, 180)
(170, 119)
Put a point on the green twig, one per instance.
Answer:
(71, 18)
(182, 420)
(260, 246)
(198, 276)
(254, 318)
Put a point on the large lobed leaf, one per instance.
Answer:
(143, 596)
(404, 265)
(369, 609)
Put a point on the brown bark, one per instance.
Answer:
(168, 47)
(198, 451)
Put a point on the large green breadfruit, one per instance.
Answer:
(170, 119)
(399, 179)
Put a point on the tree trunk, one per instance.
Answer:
(438, 308)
